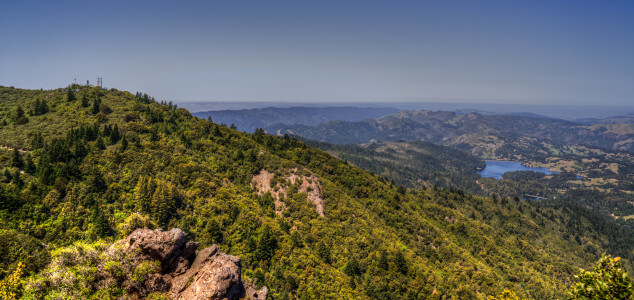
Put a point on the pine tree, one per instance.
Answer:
(45, 171)
(19, 117)
(296, 240)
(100, 144)
(16, 159)
(37, 142)
(114, 135)
(84, 101)
(29, 165)
(17, 179)
(142, 195)
(40, 107)
(154, 137)
(100, 221)
(124, 143)
(352, 268)
(70, 95)
(383, 264)
(95, 106)
(7, 176)
(401, 263)
(214, 231)
(323, 251)
(266, 244)
(161, 204)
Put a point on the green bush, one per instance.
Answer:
(609, 280)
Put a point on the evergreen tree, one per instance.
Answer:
(100, 144)
(45, 171)
(154, 137)
(217, 132)
(7, 177)
(258, 135)
(266, 244)
(383, 263)
(5, 202)
(40, 107)
(323, 251)
(124, 144)
(352, 267)
(84, 101)
(100, 222)
(161, 204)
(142, 195)
(114, 135)
(401, 263)
(296, 240)
(106, 130)
(214, 231)
(16, 159)
(19, 116)
(95, 106)
(29, 165)
(37, 141)
(17, 179)
(70, 95)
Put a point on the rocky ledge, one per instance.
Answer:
(185, 272)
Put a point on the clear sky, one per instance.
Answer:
(559, 52)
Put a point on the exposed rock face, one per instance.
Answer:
(170, 248)
(308, 184)
(186, 273)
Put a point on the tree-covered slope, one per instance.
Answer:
(96, 164)
(414, 164)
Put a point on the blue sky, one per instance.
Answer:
(532, 52)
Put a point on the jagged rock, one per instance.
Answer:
(250, 292)
(213, 275)
(186, 273)
(170, 248)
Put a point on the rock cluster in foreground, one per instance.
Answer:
(186, 273)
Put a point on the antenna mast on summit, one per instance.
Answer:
(99, 82)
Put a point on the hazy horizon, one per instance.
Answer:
(539, 52)
(567, 112)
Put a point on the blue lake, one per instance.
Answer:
(496, 168)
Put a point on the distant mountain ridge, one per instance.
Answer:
(250, 119)
(629, 118)
(483, 135)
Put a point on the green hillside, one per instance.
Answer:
(90, 165)
(414, 164)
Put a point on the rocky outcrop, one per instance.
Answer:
(264, 181)
(186, 273)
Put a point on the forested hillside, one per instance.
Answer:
(83, 166)
(414, 164)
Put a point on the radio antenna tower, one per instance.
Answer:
(99, 82)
